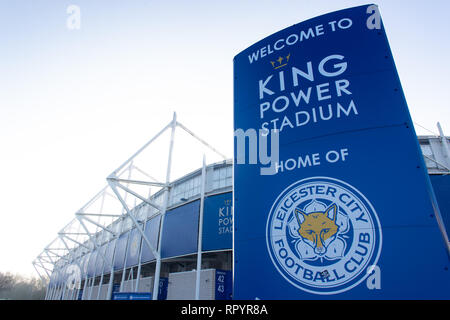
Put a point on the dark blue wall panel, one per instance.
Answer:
(91, 263)
(100, 260)
(152, 233)
(121, 247)
(133, 248)
(109, 255)
(180, 230)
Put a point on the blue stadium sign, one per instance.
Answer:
(217, 222)
(131, 296)
(331, 195)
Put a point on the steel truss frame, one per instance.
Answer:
(59, 254)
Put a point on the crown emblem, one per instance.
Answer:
(282, 61)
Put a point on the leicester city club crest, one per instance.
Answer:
(322, 235)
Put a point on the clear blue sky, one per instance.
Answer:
(74, 104)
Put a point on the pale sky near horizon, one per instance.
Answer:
(74, 104)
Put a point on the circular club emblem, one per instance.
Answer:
(322, 234)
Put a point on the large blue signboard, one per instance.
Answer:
(217, 222)
(331, 195)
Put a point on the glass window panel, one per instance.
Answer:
(223, 173)
(229, 171)
(426, 149)
(428, 152)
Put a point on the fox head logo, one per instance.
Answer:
(318, 228)
(311, 227)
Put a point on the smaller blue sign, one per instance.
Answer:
(140, 296)
(163, 285)
(120, 296)
(116, 287)
(218, 222)
(223, 285)
(132, 296)
(80, 294)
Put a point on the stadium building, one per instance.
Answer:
(170, 239)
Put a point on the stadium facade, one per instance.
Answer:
(177, 242)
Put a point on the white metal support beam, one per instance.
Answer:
(46, 253)
(116, 181)
(438, 163)
(91, 238)
(43, 267)
(98, 214)
(83, 216)
(40, 276)
(43, 259)
(48, 250)
(201, 140)
(173, 126)
(145, 183)
(151, 203)
(51, 250)
(200, 232)
(145, 173)
(141, 149)
(113, 186)
(79, 243)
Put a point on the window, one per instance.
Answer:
(185, 189)
(427, 154)
(222, 177)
